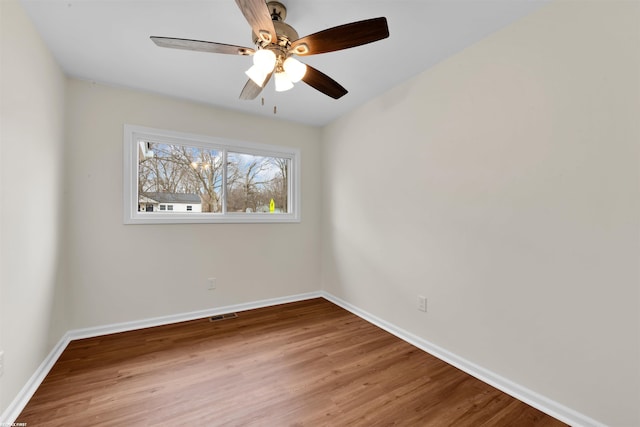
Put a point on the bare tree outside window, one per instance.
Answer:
(254, 181)
(191, 179)
(170, 173)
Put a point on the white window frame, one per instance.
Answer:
(133, 134)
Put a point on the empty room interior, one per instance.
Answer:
(470, 187)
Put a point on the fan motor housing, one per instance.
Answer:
(285, 32)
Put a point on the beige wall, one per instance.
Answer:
(503, 185)
(123, 272)
(32, 141)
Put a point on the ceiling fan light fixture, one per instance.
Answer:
(257, 75)
(295, 69)
(276, 41)
(283, 82)
(265, 60)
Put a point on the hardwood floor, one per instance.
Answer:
(308, 363)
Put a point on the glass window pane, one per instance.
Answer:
(257, 184)
(172, 177)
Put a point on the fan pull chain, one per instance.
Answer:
(275, 107)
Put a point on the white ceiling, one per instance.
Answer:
(107, 41)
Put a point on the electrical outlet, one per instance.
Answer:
(422, 303)
(1, 363)
(212, 283)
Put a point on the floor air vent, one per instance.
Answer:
(223, 317)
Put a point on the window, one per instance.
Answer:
(171, 177)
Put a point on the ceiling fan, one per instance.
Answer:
(277, 43)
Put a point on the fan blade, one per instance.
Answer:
(251, 90)
(257, 15)
(325, 84)
(202, 46)
(342, 37)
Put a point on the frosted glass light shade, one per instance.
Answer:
(295, 69)
(265, 60)
(283, 82)
(257, 75)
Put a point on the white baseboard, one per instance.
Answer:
(77, 334)
(14, 409)
(544, 404)
(530, 397)
(10, 414)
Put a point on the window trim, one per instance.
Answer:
(133, 133)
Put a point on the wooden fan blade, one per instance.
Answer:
(257, 15)
(342, 37)
(251, 90)
(202, 46)
(325, 84)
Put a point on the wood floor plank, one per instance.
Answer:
(308, 363)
